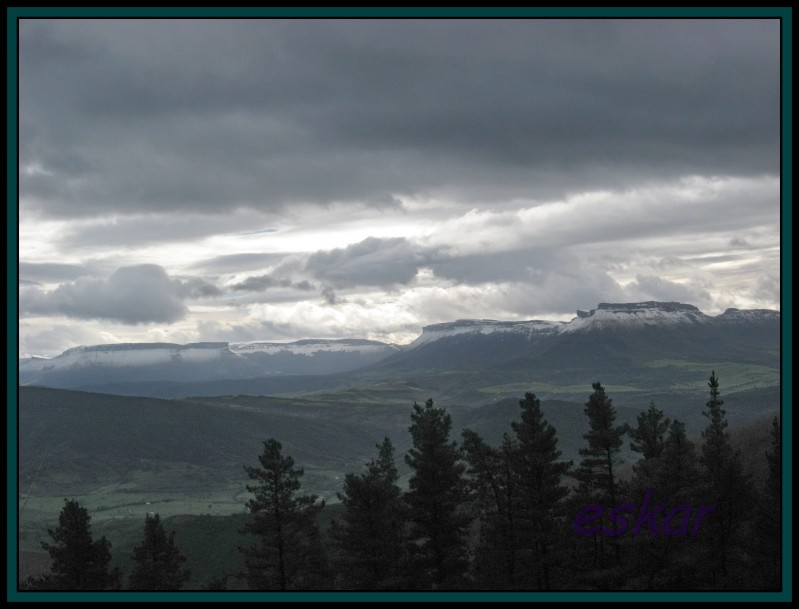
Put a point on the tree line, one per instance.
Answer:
(515, 516)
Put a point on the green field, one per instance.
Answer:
(541, 389)
(733, 376)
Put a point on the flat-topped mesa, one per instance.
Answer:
(749, 315)
(140, 354)
(144, 346)
(535, 327)
(314, 345)
(635, 315)
(649, 304)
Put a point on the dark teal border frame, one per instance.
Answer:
(13, 14)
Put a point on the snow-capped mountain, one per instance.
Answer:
(607, 316)
(749, 316)
(613, 337)
(85, 366)
(483, 327)
(130, 354)
(313, 346)
(635, 315)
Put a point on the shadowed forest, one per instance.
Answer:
(477, 516)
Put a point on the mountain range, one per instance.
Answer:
(628, 344)
(93, 422)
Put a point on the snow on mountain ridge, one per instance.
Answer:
(751, 315)
(154, 354)
(605, 316)
(635, 315)
(311, 346)
(133, 354)
(436, 332)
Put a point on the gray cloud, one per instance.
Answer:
(159, 115)
(535, 163)
(52, 271)
(194, 287)
(260, 283)
(648, 287)
(132, 295)
(517, 265)
(237, 262)
(371, 262)
(158, 227)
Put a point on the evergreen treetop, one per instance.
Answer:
(159, 563)
(436, 500)
(288, 554)
(78, 562)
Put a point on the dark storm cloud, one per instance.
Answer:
(196, 288)
(260, 283)
(517, 265)
(142, 116)
(649, 287)
(371, 262)
(137, 294)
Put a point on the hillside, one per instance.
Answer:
(649, 347)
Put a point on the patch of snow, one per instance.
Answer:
(749, 315)
(635, 315)
(483, 327)
(128, 354)
(310, 347)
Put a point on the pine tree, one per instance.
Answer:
(159, 563)
(288, 553)
(369, 537)
(597, 472)
(519, 490)
(539, 494)
(728, 488)
(78, 562)
(648, 439)
(677, 475)
(436, 498)
(669, 468)
(492, 487)
(769, 525)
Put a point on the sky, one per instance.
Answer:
(189, 180)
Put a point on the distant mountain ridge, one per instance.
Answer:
(606, 340)
(605, 316)
(131, 362)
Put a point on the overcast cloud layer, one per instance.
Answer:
(189, 180)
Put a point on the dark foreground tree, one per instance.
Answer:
(492, 486)
(598, 473)
(436, 498)
(669, 469)
(79, 563)
(159, 563)
(649, 440)
(769, 529)
(726, 485)
(288, 552)
(599, 481)
(540, 493)
(369, 536)
(520, 494)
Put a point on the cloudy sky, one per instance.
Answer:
(192, 180)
